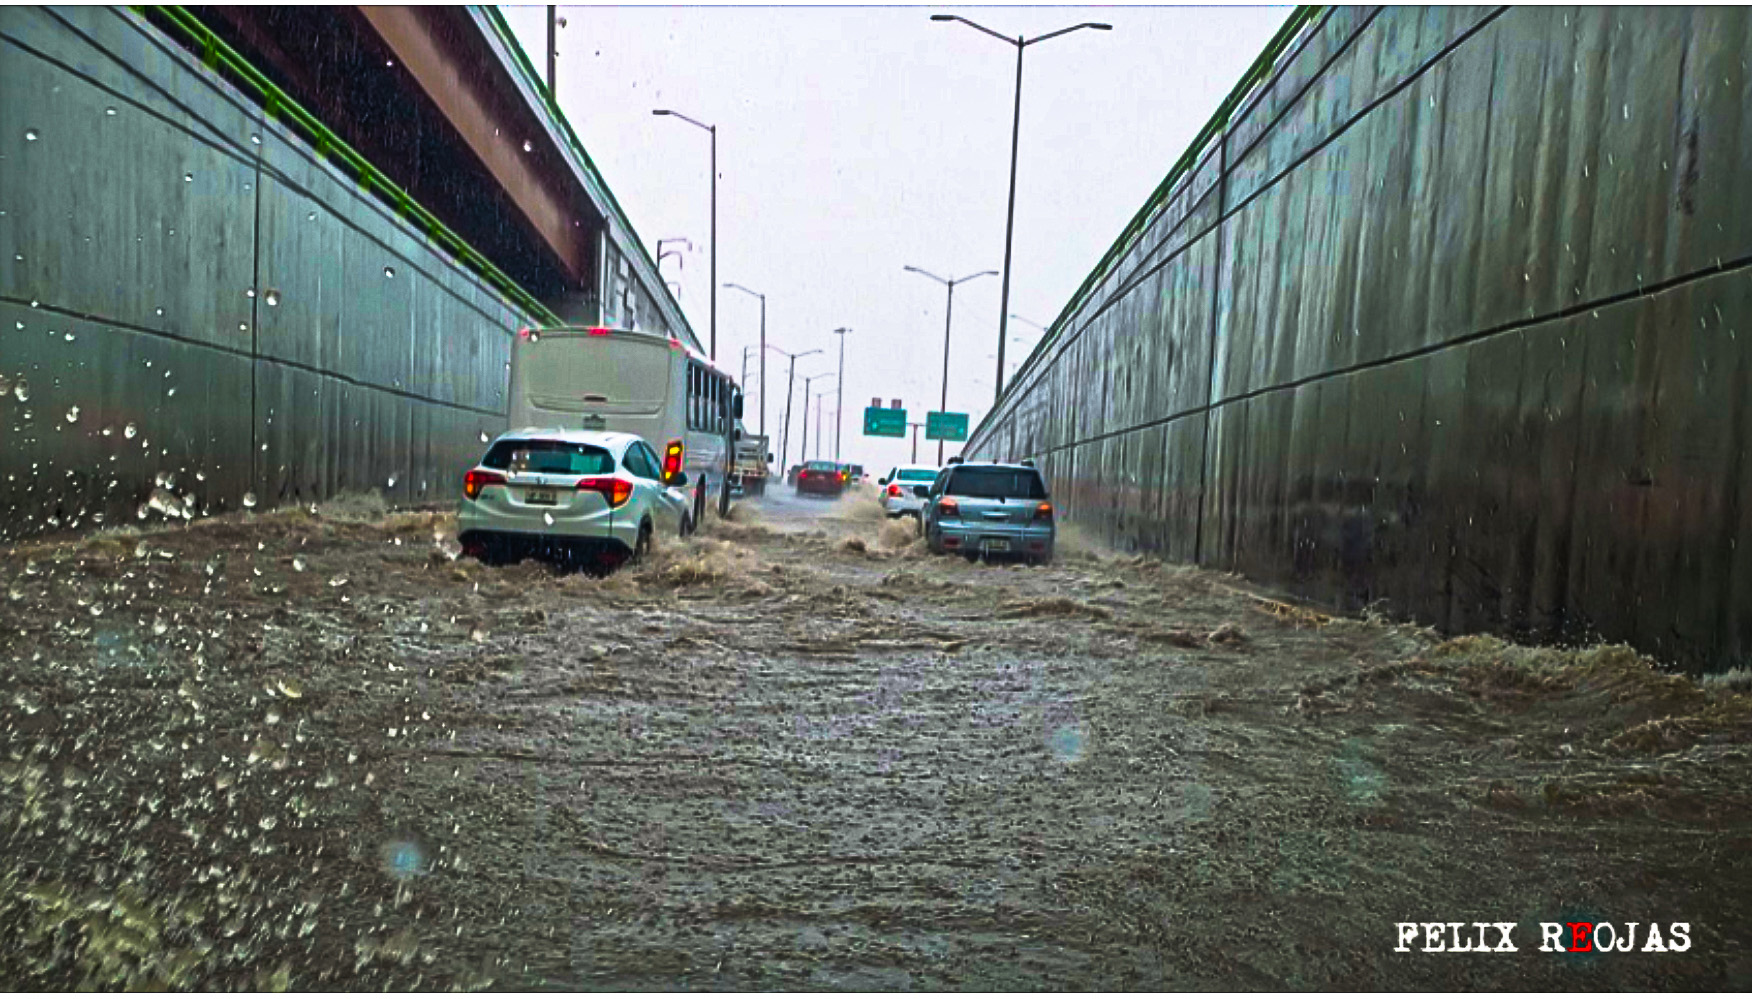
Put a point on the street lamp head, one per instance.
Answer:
(1100, 27)
(660, 113)
(942, 17)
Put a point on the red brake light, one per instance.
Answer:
(477, 479)
(672, 456)
(597, 330)
(894, 490)
(947, 507)
(1043, 512)
(613, 489)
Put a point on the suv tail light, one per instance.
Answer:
(893, 489)
(477, 479)
(1043, 512)
(947, 507)
(613, 489)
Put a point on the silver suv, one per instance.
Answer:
(990, 509)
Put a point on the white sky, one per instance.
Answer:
(855, 140)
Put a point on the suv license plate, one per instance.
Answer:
(995, 545)
(541, 497)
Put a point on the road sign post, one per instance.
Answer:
(879, 422)
(945, 426)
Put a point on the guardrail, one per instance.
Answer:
(277, 105)
(1213, 129)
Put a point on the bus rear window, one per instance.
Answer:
(549, 458)
(618, 369)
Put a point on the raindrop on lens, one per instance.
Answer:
(483, 437)
(30, 135)
(389, 272)
(249, 501)
(526, 146)
(392, 482)
(129, 431)
(110, 111)
(272, 297)
(21, 391)
(73, 415)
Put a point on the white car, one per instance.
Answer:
(571, 493)
(900, 486)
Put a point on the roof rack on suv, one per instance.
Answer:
(954, 461)
(1027, 462)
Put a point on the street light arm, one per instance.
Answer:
(976, 27)
(690, 121)
(751, 291)
(1065, 31)
(933, 277)
(970, 277)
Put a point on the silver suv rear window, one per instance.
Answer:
(549, 458)
(996, 483)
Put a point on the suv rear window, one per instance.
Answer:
(917, 475)
(996, 483)
(549, 457)
(822, 466)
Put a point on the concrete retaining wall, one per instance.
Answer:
(1454, 321)
(188, 291)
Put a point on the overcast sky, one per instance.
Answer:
(853, 141)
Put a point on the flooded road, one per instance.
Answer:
(315, 749)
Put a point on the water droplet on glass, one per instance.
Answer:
(243, 327)
(338, 581)
(158, 312)
(129, 431)
(249, 293)
(159, 626)
(483, 437)
(73, 415)
(111, 112)
(30, 135)
(249, 501)
(389, 272)
(188, 178)
(548, 518)
(297, 564)
(311, 217)
(169, 392)
(392, 482)
(69, 338)
(256, 139)
(272, 297)
(21, 391)
(526, 146)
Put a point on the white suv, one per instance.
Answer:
(570, 493)
(900, 489)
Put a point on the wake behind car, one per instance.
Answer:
(603, 497)
(900, 489)
(990, 509)
(821, 478)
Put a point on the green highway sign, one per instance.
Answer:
(888, 422)
(945, 426)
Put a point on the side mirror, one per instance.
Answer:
(882, 482)
(676, 480)
(736, 406)
(769, 457)
(921, 491)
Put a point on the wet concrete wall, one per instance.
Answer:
(188, 294)
(1448, 323)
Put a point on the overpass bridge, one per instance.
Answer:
(1440, 314)
(259, 255)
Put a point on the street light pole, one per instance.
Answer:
(840, 400)
(763, 385)
(790, 390)
(713, 130)
(552, 50)
(915, 429)
(803, 455)
(821, 435)
(1021, 43)
(948, 315)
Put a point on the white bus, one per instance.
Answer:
(599, 378)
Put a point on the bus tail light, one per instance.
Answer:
(477, 479)
(672, 456)
(597, 331)
(614, 489)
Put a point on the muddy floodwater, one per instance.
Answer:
(315, 749)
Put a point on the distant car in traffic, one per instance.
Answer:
(791, 475)
(990, 510)
(904, 488)
(572, 495)
(821, 478)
